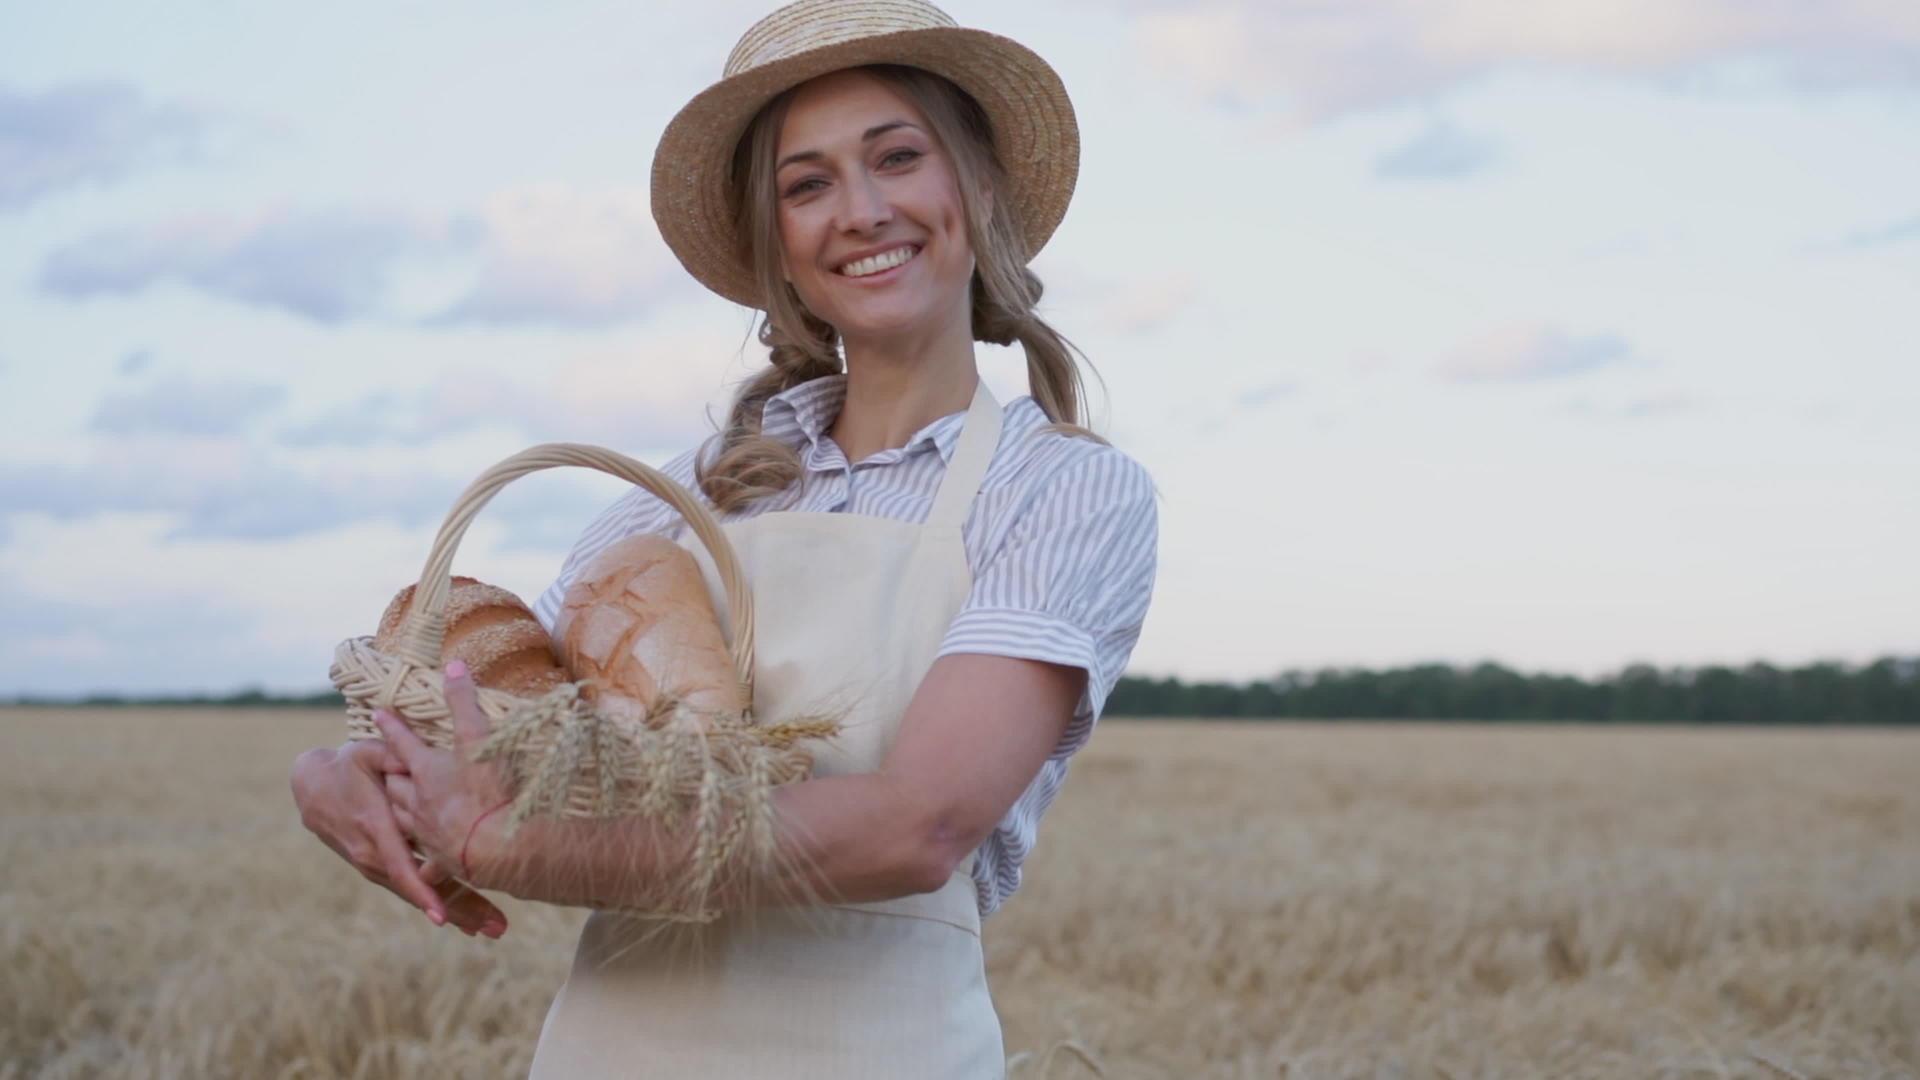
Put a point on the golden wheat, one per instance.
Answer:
(1209, 901)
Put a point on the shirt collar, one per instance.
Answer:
(813, 405)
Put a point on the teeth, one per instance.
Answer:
(873, 264)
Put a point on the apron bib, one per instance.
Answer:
(849, 611)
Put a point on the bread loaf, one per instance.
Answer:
(491, 631)
(637, 621)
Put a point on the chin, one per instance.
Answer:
(876, 321)
(869, 328)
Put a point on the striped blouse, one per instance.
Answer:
(1061, 543)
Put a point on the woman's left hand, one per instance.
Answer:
(440, 799)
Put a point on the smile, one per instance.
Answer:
(874, 264)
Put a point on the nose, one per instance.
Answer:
(863, 206)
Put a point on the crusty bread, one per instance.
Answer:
(492, 632)
(637, 621)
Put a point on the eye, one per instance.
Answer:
(802, 187)
(899, 157)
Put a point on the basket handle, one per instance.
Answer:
(426, 628)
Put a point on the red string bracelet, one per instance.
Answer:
(474, 828)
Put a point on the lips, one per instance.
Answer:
(879, 262)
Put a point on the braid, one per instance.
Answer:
(1006, 315)
(747, 465)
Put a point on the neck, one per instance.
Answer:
(894, 392)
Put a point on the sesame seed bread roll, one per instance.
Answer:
(638, 621)
(492, 632)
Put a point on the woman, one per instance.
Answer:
(873, 179)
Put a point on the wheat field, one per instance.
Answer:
(1209, 900)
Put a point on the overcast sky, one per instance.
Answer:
(1564, 334)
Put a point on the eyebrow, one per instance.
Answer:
(871, 134)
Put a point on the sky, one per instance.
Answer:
(1566, 335)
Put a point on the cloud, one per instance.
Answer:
(82, 645)
(187, 406)
(655, 398)
(547, 255)
(1645, 407)
(326, 265)
(1132, 305)
(1661, 405)
(136, 361)
(218, 487)
(114, 603)
(375, 418)
(83, 133)
(577, 258)
(1526, 353)
(1442, 151)
(1267, 394)
(1883, 235)
(1368, 362)
(1148, 303)
(1317, 60)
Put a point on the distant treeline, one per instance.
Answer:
(1886, 691)
(250, 698)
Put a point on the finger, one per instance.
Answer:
(476, 912)
(403, 875)
(409, 824)
(401, 791)
(376, 756)
(470, 727)
(402, 798)
(472, 911)
(405, 744)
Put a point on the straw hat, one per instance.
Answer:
(1033, 124)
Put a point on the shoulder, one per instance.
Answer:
(1042, 461)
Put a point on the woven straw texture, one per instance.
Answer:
(1035, 132)
(678, 768)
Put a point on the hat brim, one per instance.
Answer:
(1035, 133)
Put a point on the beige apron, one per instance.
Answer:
(850, 610)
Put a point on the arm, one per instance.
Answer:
(974, 736)
(1051, 619)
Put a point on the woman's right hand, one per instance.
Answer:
(342, 797)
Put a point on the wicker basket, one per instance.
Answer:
(713, 774)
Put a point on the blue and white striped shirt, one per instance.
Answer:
(1061, 543)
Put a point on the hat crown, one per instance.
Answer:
(812, 24)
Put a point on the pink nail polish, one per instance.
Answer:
(456, 669)
(438, 919)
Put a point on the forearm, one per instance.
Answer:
(975, 735)
(844, 839)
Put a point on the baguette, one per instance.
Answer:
(638, 623)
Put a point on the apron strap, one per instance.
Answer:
(979, 437)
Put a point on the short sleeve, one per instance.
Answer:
(1071, 580)
(638, 511)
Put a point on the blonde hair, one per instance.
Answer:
(747, 465)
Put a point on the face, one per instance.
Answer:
(872, 229)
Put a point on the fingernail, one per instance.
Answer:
(456, 669)
(437, 917)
